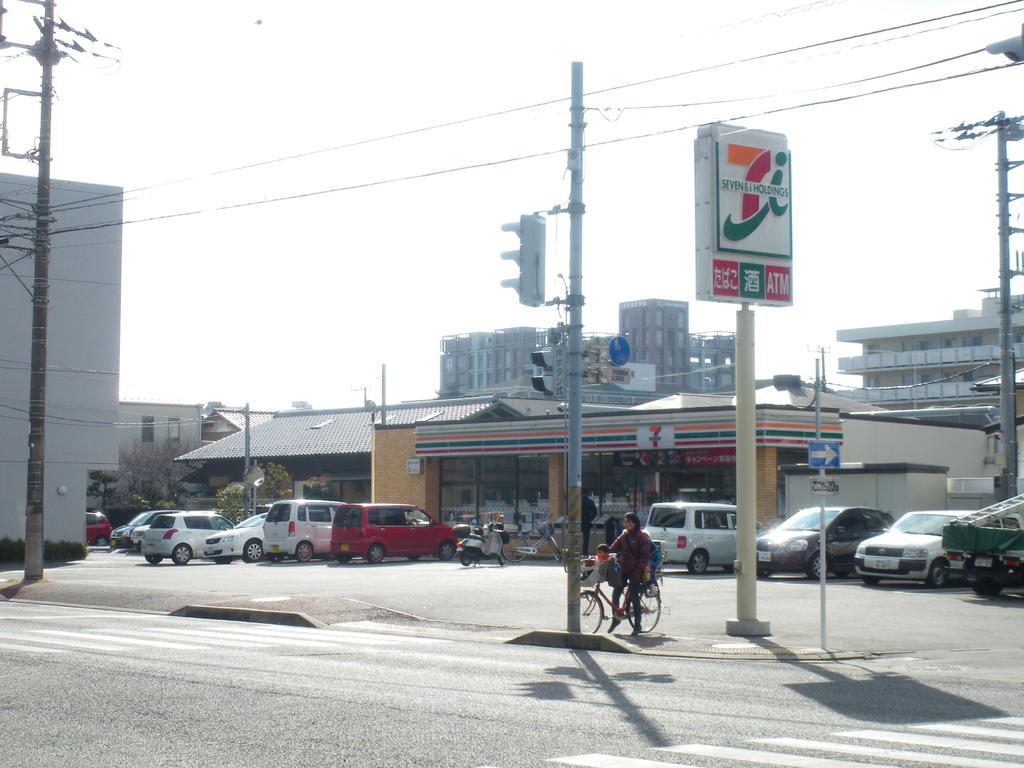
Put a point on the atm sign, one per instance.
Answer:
(761, 283)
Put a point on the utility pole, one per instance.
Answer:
(46, 54)
(1007, 130)
(574, 433)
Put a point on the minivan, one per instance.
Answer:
(699, 535)
(299, 528)
(375, 531)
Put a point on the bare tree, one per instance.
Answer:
(148, 470)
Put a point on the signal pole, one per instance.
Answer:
(46, 54)
(1007, 364)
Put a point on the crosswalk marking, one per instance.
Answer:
(1004, 720)
(972, 730)
(927, 740)
(891, 754)
(208, 638)
(765, 758)
(612, 761)
(115, 639)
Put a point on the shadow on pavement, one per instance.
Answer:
(888, 698)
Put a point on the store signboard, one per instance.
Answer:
(744, 225)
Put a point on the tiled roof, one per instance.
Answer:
(330, 432)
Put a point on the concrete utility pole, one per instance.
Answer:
(1008, 130)
(574, 434)
(46, 54)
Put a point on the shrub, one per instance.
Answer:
(13, 551)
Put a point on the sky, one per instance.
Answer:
(371, 116)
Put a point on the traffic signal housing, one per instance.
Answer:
(550, 376)
(532, 232)
(1012, 48)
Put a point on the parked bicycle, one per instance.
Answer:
(593, 601)
(529, 543)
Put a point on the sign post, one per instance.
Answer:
(744, 256)
(822, 454)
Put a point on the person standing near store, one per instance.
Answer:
(633, 548)
(588, 512)
(612, 528)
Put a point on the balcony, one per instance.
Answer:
(965, 356)
(945, 391)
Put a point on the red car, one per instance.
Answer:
(376, 531)
(97, 529)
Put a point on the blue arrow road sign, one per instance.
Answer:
(823, 454)
(618, 351)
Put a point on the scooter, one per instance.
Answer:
(482, 544)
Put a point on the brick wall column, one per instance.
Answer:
(556, 485)
(767, 484)
(390, 480)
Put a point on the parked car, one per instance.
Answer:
(376, 531)
(699, 535)
(97, 529)
(911, 550)
(793, 546)
(122, 535)
(245, 540)
(299, 528)
(179, 535)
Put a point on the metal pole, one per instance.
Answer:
(746, 623)
(819, 367)
(251, 495)
(574, 434)
(46, 54)
(1007, 366)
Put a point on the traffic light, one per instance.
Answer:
(1012, 48)
(550, 378)
(532, 232)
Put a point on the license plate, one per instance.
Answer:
(113, 543)
(343, 547)
(882, 563)
(956, 564)
(764, 556)
(275, 548)
(983, 562)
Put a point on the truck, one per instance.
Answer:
(987, 546)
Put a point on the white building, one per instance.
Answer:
(933, 363)
(82, 350)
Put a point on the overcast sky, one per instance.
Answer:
(306, 299)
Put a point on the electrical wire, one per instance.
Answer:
(400, 134)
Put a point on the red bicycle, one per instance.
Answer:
(593, 601)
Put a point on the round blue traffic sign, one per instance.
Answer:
(618, 351)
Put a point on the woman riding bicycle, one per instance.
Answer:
(633, 547)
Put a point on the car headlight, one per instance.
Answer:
(915, 553)
(797, 546)
(860, 550)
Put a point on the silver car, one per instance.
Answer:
(180, 535)
(122, 535)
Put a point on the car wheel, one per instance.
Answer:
(986, 588)
(181, 554)
(304, 552)
(375, 553)
(154, 559)
(870, 580)
(446, 551)
(698, 563)
(101, 541)
(938, 573)
(813, 571)
(343, 558)
(465, 558)
(222, 560)
(414, 558)
(252, 551)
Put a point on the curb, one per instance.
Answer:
(288, 618)
(574, 640)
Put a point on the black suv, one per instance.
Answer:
(793, 546)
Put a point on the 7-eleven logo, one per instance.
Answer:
(763, 189)
(655, 437)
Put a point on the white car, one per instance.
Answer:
(179, 535)
(245, 540)
(699, 535)
(911, 550)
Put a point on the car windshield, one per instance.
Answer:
(922, 522)
(137, 520)
(807, 519)
(251, 522)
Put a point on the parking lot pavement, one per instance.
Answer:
(497, 604)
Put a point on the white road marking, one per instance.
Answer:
(30, 648)
(971, 730)
(71, 643)
(125, 640)
(613, 761)
(765, 758)
(890, 754)
(928, 740)
(206, 637)
(1004, 720)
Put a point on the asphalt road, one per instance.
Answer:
(89, 688)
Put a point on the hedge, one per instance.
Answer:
(14, 551)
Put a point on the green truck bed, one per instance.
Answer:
(974, 538)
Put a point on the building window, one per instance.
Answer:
(147, 429)
(174, 429)
(972, 341)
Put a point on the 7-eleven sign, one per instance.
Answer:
(655, 438)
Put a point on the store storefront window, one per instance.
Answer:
(513, 489)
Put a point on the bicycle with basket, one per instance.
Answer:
(593, 599)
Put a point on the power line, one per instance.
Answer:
(511, 110)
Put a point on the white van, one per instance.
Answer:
(699, 535)
(300, 528)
